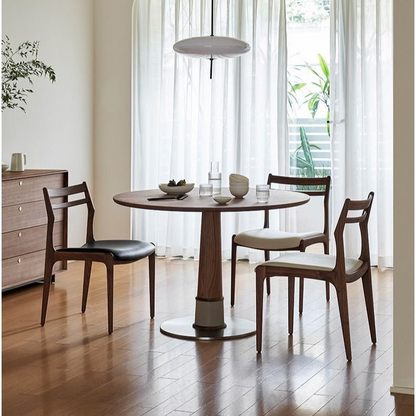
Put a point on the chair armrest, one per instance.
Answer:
(314, 239)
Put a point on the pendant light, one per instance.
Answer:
(211, 47)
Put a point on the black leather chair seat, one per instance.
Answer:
(122, 250)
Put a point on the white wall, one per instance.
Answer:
(57, 130)
(112, 115)
(403, 315)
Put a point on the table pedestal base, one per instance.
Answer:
(183, 328)
(209, 315)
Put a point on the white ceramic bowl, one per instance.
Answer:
(239, 183)
(176, 190)
(235, 177)
(222, 200)
(239, 188)
(4, 167)
(238, 191)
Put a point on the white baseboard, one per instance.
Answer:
(402, 390)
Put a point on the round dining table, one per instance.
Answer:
(209, 322)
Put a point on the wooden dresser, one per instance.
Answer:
(24, 224)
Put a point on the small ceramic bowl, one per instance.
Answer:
(222, 200)
(235, 177)
(239, 185)
(176, 190)
(238, 191)
(4, 167)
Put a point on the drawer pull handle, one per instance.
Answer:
(20, 182)
(19, 234)
(20, 208)
(19, 260)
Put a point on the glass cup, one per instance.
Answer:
(205, 189)
(263, 193)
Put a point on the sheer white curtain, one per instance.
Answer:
(182, 120)
(362, 129)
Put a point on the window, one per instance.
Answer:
(308, 87)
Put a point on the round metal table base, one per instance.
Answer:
(182, 328)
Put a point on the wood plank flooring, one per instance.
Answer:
(73, 367)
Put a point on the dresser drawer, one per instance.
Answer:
(29, 240)
(18, 270)
(20, 191)
(17, 217)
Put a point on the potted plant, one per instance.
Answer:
(20, 64)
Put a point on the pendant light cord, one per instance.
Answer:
(212, 17)
(212, 34)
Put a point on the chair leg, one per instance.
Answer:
(233, 268)
(301, 287)
(327, 286)
(87, 275)
(301, 290)
(47, 279)
(152, 284)
(369, 303)
(345, 323)
(110, 296)
(267, 258)
(260, 276)
(291, 302)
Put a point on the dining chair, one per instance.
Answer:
(109, 252)
(337, 270)
(269, 239)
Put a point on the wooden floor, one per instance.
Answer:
(73, 367)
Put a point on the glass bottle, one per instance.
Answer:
(214, 177)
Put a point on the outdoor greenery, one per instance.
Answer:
(302, 157)
(294, 84)
(307, 11)
(321, 92)
(301, 160)
(19, 65)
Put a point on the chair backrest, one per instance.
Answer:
(350, 206)
(309, 186)
(63, 194)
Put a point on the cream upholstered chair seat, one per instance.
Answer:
(270, 239)
(310, 261)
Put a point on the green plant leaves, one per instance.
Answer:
(306, 162)
(324, 67)
(14, 72)
(306, 148)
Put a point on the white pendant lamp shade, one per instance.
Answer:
(211, 47)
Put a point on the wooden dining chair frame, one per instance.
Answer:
(337, 277)
(318, 238)
(52, 255)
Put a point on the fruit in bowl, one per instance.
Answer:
(176, 188)
(172, 182)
